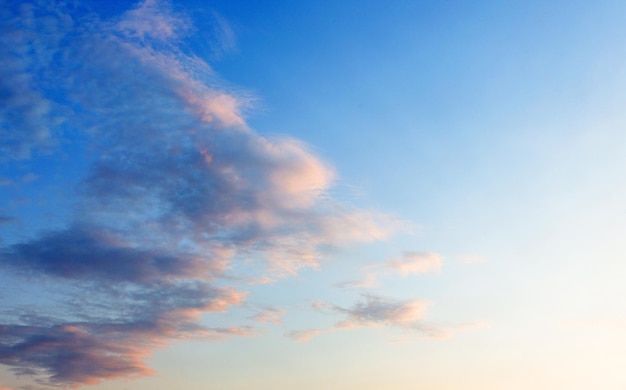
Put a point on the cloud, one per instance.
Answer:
(225, 39)
(269, 315)
(86, 353)
(376, 311)
(410, 263)
(178, 191)
(369, 279)
(87, 253)
(416, 263)
(26, 115)
(303, 336)
(153, 19)
(122, 327)
(261, 280)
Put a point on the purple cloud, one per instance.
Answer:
(89, 254)
(410, 263)
(268, 314)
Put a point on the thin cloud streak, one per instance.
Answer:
(416, 263)
(268, 315)
(375, 311)
(303, 336)
(410, 263)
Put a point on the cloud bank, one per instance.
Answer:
(177, 191)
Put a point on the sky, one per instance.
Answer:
(313, 194)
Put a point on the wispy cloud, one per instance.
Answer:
(225, 39)
(27, 120)
(268, 314)
(410, 263)
(303, 336)
(373, 311)
(416, 263)
(85, 353)
(178, 190)
(114, 328)
(369, 279)
(153, 19)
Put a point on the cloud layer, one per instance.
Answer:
(178, 190)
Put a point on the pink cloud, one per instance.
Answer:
(152, 19)
(78, 353)
(303, 336)
(416, 263)
(268, 315)
(411, 263)
(406, 315)
(376, 311)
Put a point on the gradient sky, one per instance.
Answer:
(312, 195)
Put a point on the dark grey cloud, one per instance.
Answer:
(268, 314)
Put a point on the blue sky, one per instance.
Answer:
(328, 194)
